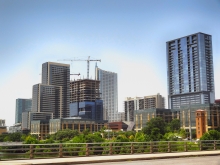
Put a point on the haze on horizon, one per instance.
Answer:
(129, 36)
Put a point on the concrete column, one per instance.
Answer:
(183, 117)
(141, 122)
(136, 121)
(206, 121)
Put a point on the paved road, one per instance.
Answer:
(205, 160)
(182, 158)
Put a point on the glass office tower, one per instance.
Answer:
(58, 74)
(190, 70)
(22, 105)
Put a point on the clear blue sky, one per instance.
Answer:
(129, 36)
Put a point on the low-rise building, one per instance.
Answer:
(15, 128)
(42, 128)
(118, 126)
(3, 128)
(141, 117)
(27, 117)
(76, 124)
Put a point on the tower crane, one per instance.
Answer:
(78, 74)
(88, 61)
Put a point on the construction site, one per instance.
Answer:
(84, 90)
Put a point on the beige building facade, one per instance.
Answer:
(140, 103)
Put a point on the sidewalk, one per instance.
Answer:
(110, 158)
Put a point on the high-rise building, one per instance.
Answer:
(129, 108)
(47, 98)
(85, 99)
(109, 93)
(141, 103)
(22, 105)
(50, 99)
(58, 74)
(190, 70)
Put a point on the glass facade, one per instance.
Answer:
(22, 105)
(141, 117)
(190, 70)
(57, 74)
(75, 124)
(87, 110)
(188, 115)
(47, 98)
(109, 93)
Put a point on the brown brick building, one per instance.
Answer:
(200, 123)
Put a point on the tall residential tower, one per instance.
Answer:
(190, 70)
(109, 93)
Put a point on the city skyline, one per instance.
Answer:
(128, 36)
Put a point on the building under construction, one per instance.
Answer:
(85, 99)
(84, 90)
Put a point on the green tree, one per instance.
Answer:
(183, 133)
(155, 129)
(86, 132)
(139, 137)
(121, 138)
(155, 134)
(170, 136)
(78, 139)
(31, 140)
(2, 137)
(173, 126)
(93, 138)
(12, 137)
(65, 135)
(15, 137)
(211, 135)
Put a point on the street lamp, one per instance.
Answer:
(190, 122)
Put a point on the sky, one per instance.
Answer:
(129, 36)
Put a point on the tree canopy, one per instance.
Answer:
(173, 126)
(155, 129)
(211, 135)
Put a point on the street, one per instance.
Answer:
(204, 160)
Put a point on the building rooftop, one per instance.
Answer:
(187, 36)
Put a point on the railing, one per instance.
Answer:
(31, 151)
